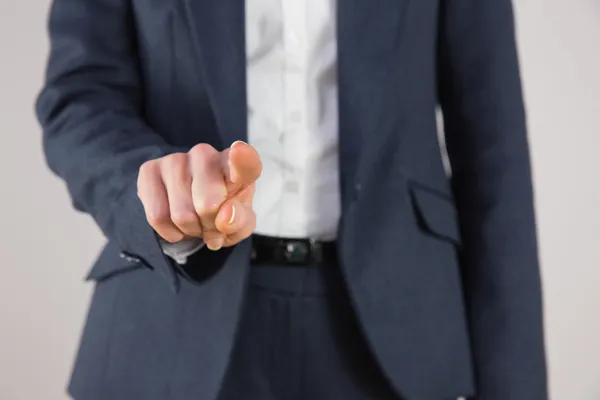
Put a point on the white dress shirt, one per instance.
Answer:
(292, 119)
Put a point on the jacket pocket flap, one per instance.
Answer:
(111, 262)
(437, 213)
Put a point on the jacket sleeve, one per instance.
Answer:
(94, 135)
(486, 139)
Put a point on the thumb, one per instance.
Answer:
(242, 165)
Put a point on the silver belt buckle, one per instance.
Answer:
(298, 252)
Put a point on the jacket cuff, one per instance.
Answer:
(137, 239)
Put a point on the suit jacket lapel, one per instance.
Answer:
(219, 37)
(368, 36)
(368, 33)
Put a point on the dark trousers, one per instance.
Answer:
(299, 340)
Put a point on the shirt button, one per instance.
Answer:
(295, 116)
(291, 187)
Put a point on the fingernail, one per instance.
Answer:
(232, 215)
(237, 142)
(215, 244)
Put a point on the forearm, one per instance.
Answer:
(95, 135)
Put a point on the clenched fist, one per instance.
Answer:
(202, 194)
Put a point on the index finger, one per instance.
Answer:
(242, 165)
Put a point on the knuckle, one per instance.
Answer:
(149, 165)
(146, 170)
(157, 218)
(202, 150)
(206, 207)
(177, 161)
(184, 218)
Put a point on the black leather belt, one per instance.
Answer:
(267, 250)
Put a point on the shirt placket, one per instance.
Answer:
(295, 108)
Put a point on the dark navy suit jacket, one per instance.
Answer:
(445, 282)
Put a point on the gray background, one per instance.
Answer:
(47, 248)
